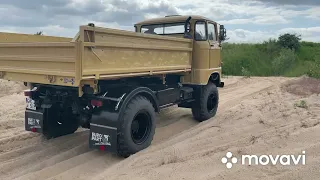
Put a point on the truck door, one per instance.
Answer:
(215, 53)
(201, 54)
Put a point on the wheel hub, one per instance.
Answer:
(140, 127)
(135, 126)
(211, 103)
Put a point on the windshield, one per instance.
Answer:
(164, 29)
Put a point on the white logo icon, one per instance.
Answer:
(285, 160)
(225, 160)
(101, 139)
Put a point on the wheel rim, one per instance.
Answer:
(211, 103)
(140, 127)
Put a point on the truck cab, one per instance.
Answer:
(207, 36)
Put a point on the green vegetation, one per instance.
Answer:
(290, 41)
(301, 104)
(286, 56)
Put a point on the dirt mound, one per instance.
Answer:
(10, 87)
(303, 86)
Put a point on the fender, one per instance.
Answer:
(119, 97)
(140, 91)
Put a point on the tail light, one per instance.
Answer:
(102, 148)
(96, 103)
(30, 92)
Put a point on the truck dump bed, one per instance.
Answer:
(95, 53)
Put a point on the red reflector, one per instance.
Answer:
(96, 103)
(102, 148)
(34, 130)
(28, 93)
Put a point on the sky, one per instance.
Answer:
(247, 21)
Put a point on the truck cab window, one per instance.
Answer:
(212, 32)
(200, 31)
(152, 29)
(164, 29)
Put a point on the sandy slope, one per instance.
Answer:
(255, 116)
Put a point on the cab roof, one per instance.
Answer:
(172, 18)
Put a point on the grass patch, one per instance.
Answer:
(301, 104)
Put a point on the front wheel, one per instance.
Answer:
(137, 126)
(206, 104)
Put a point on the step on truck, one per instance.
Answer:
(114, 82)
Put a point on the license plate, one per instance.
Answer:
(31, 104)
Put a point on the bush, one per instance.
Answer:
(314, 69)
(291, 41)
(252, 57)
(271, 46)
(301, 104)
(245, 72)
(270, 58)
(284, 61)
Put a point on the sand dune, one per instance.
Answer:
(255, 116)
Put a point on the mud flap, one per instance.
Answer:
(103, 132)
(103, 137)
(34, 121)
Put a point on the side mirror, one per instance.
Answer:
(222, 33)
(187, 25)
(187, 29)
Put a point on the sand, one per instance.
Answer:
(256, 116)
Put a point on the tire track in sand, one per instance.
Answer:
(68, 157)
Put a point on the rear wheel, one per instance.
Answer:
(59, 121)
(137, 126)
(206, 104)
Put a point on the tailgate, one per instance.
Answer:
(39, 62)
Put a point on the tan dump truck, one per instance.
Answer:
(113, 82)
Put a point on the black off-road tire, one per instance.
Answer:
(59, 122)
(138, 108)
(206, 103)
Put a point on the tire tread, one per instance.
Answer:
(123, 148)
(199, 112)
